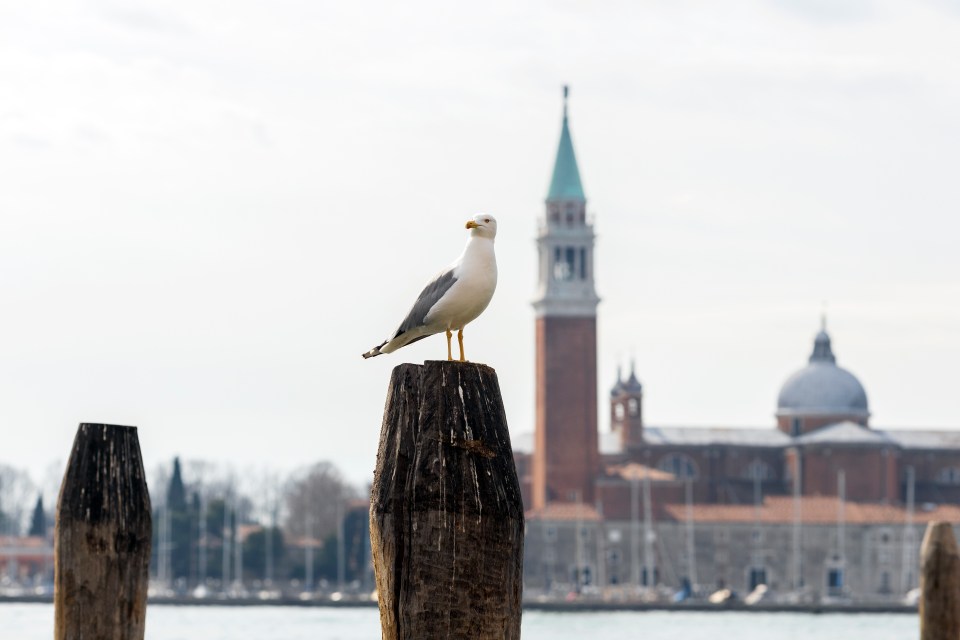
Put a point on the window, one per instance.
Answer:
(583, 263)
(758, 470)
(835, 581)
(758, 576)
(644, 577)
(563, 263)
(948, 475)
(633, 407)
(885, 582)
(618, 411)
(680, 465)
(795, 427)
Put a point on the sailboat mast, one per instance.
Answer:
(691, 554)
(909, 560)
(635, 528)
(648, 559)
(841, 516)
(797, 516)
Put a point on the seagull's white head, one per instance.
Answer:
(483, 225)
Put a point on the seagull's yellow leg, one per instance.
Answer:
(449, 348)
(460, 340)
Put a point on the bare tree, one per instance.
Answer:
(17, 495)
(314, 498)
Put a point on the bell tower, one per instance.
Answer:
(626, 409)
(566, 455)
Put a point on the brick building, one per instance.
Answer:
(821, 447)
(25, 560)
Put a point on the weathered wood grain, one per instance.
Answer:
(939, 584)
(102, 539)
(446, 514)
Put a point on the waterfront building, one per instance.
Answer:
(822, 503)
(25, 560)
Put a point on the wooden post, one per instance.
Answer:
(102, 541)
(446, 514)
(939, 584)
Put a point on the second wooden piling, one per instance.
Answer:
(102, 539)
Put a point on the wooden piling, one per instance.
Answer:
(446, 514)
(102, 540)
(939, 584)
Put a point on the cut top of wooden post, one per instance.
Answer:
(459, 409)
(105, 479)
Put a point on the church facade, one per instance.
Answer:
(638, 498)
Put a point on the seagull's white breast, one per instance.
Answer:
(476, 273)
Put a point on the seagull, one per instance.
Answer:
(455, 297)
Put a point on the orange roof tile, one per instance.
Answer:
(814, 510)
(635, 470)
(564, 511)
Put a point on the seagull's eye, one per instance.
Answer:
(486, 219)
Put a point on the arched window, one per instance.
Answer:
(758, 470)
(948, 475)
(563, 263)
(618, 411)
(633, 407)
(680, 465)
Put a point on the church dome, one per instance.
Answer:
(822, 388)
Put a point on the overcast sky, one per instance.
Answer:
(208, 211)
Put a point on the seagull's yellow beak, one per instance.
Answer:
(471, 224)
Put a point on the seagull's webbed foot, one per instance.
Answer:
(449, 347)
(460, 340)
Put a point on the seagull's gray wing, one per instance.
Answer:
(430, 295)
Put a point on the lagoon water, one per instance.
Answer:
(35, 622)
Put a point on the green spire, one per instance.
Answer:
(565, 184)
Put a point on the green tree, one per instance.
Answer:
(176, 493)
(181, 522)
(255, 553)
(38, 523)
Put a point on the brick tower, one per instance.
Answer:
(565, 456)
(626, 409)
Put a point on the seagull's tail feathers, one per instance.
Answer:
(375, 351)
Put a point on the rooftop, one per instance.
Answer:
(841, 432)
(845, 432)
(565, 183)
(814, 510)
(564, 512)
